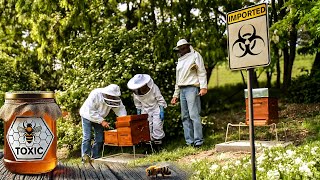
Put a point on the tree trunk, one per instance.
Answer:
(274, 47)
(290, 56)
(293, 47)
(153, 16)
(255, 83)
(316, 64)
(277, 57)
(188, 19)
(132, 21)
(269, 77)
(285, 67)
(243, 79)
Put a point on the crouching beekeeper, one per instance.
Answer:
(148, 100)
(93, 112)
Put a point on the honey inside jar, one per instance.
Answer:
(30, 132)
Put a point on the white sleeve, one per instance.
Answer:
(92, 110)
(137, 103)
(201, 71)
(159, 97)
(121, 110)
(176, 87)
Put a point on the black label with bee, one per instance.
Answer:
(29, 138)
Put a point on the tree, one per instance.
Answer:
(17, 56)
(310, 25)
(287, 29)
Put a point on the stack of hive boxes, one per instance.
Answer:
(265, 107)
(130, 130)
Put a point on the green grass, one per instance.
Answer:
(165, 155)
(299, 124)
(72, 160)
(222, 75)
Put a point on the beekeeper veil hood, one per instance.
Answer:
(111, 95)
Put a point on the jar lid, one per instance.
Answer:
(29, 95)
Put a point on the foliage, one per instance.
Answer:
(275, 163)
(69, 134)
(100, 60)
(305, 89)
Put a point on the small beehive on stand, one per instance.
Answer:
(265, 107)
(131, 130)
(111, 137)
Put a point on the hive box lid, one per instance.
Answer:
(261, 92)
(132, 117)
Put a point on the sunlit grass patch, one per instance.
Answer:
(73, 160)
(222, 75)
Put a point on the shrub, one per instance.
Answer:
(69, 134)
(304, 89)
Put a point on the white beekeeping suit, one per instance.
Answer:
(150, 102)
(97, 106)
(190, 70)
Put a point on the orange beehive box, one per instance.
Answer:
(111, 137)
(133, 129)
(132, 118)
(265, 111)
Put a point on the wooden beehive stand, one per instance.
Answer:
(265, 111)
(130, 131)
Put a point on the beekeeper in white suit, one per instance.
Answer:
(191, 83)
(148, 100)
(93, 112)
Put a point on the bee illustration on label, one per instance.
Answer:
(29, 129)
(155, 170)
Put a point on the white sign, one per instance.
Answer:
(248, 37)
(29, 138)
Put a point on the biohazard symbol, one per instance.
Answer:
(247, 42)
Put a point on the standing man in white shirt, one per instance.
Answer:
(191, 83)
(93, 111)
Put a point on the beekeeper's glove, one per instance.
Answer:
(138, 111)
(161, 113)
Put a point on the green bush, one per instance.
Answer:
(218, 100)
(304, 89)
(223, 98)
(69, 134)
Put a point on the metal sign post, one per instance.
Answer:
(251, 125)
(248, 47)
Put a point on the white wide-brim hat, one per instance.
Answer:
(138, 81)
(180, 43)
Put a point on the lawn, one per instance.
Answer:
(222, 75)
(298, 123)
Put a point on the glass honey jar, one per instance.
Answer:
(30, 145)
